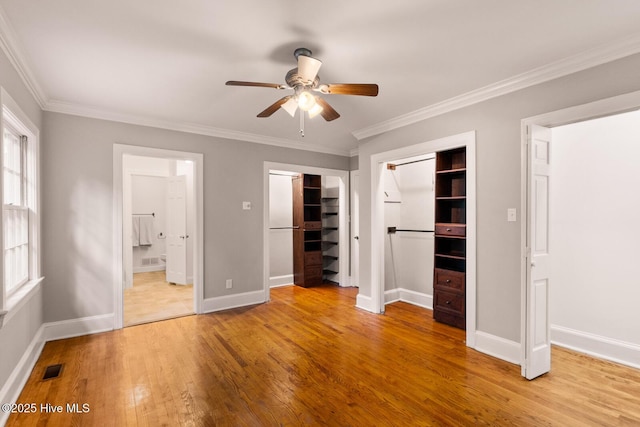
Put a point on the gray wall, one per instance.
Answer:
(77, 198)
(497, 123)
(17, 333)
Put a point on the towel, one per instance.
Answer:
(146, 230)
(135, 232)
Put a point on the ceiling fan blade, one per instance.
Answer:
(363, 89)
(255, 84)
(308, 68)
(327, 113)
(274, 107)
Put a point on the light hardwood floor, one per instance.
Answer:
(152, 298)
(309, 357)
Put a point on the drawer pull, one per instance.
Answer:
(448, 281)
(448, 229)
(448, 302)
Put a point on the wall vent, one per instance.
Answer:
(151, 261)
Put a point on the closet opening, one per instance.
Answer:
(306, 226)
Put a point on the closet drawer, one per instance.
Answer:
(313, 258)
(451, 229)
(312, 225)
(449, 279)
(313, 274)
(448, 301)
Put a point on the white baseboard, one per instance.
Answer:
(412, 297)
(76, 327)
(598, 346)
(365, 303)
(501, 348)
(276, 281)
(233, 301)
(15, 383)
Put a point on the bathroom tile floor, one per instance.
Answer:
(152, 298)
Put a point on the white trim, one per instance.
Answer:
(468, 140)
(573, 64)
(343, 228)
(15, 383)
(603, 107)
(617, 351)
(364, 302)
(277, 281)
(12, 48)
(233, 301)
(198, 129)
(150, 269)
(119, 150)
(411, 297)
(78, 327)
(19, 298)
(495, 346)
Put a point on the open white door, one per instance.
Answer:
(355, 228)
(538, 340)
(177, 230)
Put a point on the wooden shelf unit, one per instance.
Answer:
(449, 284)
(307, 230)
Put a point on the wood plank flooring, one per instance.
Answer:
(152, 298)
(309, 357)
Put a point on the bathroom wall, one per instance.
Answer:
(149, 196)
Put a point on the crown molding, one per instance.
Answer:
(56, 106)
(10, 46)
(573, 64)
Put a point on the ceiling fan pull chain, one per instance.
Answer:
(301, 123)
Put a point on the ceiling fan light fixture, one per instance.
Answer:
(315, 110)
(306, 101)
(308, 68)
(290, 106)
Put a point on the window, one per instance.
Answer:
(20, 220)
(15, 209)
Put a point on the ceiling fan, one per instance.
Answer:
(304, 80)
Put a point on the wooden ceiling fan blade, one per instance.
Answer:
(327, 113)
(274, 107)
(362, 89)
(255, 84)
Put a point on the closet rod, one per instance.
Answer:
(392, 166)
(152, 214)
(284, 228)
(392, 230)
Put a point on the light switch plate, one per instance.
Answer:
(511, 214)
(246, 206)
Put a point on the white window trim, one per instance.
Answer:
(11, 302)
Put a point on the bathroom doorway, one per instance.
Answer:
(161, 235)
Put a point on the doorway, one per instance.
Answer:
(541, 248)
(378, 231)
(278, 248)
(158, 264)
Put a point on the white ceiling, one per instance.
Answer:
(165, 62)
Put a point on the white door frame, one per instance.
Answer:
(343, 227)
(119, 150)
(605, 107)
(354, 211)
(468, 140)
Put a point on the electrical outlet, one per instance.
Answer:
(246, 206)
(229, 283)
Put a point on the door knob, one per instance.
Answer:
(356, 237)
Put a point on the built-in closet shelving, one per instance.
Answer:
(307, 230)
(330, 236)
(449, 284)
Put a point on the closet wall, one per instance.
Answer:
(409, 205)
(280, 233)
